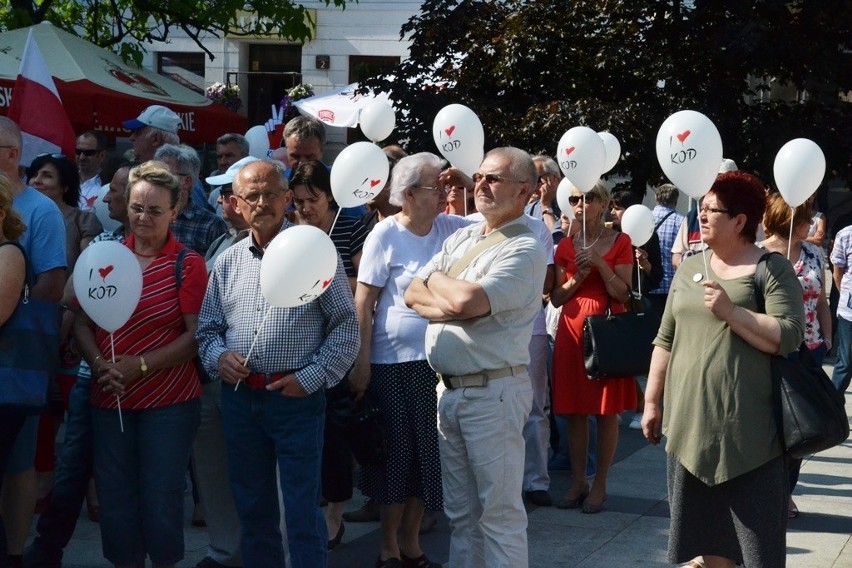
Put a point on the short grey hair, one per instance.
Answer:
(305, 127)
(407, 173)
(521, 165)
(277, 165)
(550, 165)
(166, 136)
(10, 133)
(667, 194)
(184, 156)
(238, 139)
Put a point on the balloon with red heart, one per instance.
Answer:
(799, 169)
(581, 156)
(298, 266)
(358, 174)
(108, 283)
(459, 136)
(689, 150)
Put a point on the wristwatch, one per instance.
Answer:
(142, 366)
(546, 211)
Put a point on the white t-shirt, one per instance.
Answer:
(390, 259)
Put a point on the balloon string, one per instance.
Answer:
(704, 256)
(254, 342)
(333, 223)
(584, 222)
(464, 192)
(639, 278)
(790, 239)
(117, 398)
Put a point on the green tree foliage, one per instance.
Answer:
(532, 69)
(124, 25)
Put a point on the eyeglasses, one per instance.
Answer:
(150, 211)
(492, 178)
(254, 198)
(706, 210)
(434, 189)
(87, 153)
(575, 199)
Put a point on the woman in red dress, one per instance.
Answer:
(593, 271)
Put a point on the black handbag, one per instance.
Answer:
(809, 410)
(619, 345)
(365, 427)
(29, 351)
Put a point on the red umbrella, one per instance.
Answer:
(99, 91)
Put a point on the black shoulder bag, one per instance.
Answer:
(810, 413)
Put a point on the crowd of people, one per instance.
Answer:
(456, 310)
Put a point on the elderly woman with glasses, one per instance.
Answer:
(593, 274)
(392, 360)
(726, 466)
(140, 471)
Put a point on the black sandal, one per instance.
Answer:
(420, 562)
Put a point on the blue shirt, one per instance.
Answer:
(319, 340)
(44, 239)
(197, 228)
(667, 233)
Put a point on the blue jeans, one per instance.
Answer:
(843, 365)
(264, 429)
(56, 525)
(140, 475)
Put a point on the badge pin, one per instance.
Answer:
(698, 277)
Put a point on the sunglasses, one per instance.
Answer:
(50, 155)
(575, 199)
(87, 153)
(491, 178)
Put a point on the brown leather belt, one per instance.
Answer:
(481, 378)
(258, 381)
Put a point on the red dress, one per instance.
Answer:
(573, 392)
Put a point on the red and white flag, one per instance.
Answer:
(37, 109)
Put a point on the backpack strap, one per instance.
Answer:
(660, 222)
(179, 267)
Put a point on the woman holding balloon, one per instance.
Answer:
(712, 361)
(392, 361)
(808, 261)
(593, 274)
(145, 403)
(311, 185)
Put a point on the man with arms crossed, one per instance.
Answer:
(477, 340)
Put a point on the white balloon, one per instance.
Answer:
(297, 266)
(101, 211)
(377, 120)
(108, 283)
(613, 150)
(689, 150)
(358, 174)
(459, 136)
(581, 156)
(799, 169)
(637, 222)
(563, 192)
(258, 141)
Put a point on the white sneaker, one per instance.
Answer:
(636, 423)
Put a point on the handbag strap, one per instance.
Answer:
(760, 272)
(30, 275)
(496, 237)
